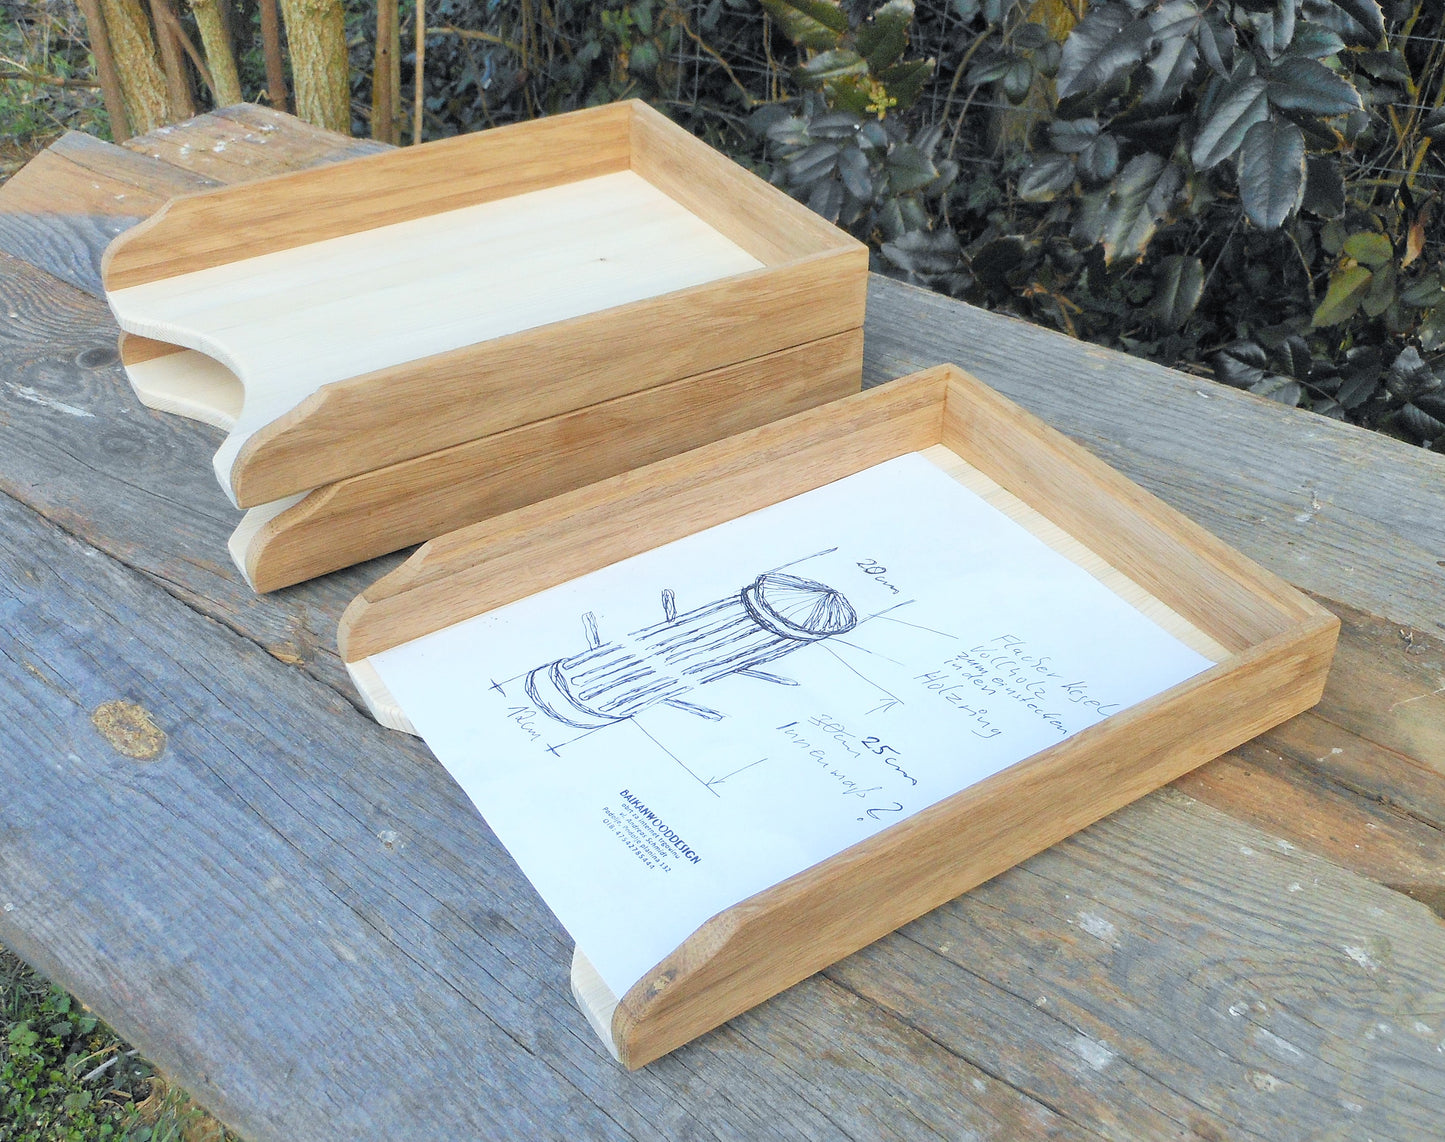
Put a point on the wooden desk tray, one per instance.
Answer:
(1272, 647)
(347, 324)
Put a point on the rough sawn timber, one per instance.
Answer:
(898, 1041)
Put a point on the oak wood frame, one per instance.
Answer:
(813, 284)
(1279, 645)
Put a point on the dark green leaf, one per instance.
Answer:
(1172, 64)
(826, 199)
(989, 69)
(905, 80)
(814, 24)
(1385, 65)
(872, 136)
(1434, 124)
(1073, 135)
(883, 36)
(643, 58)
(1048, 58)
(1315, 41)
(1342, 298)
(1100, 159)
(1366, 13)
(1140, 197)
(1273, 30)
(1224, 132)
(1300, 84)
(813, 163)
(1017, 80)
(1432, 329)
(1408, 375)
(924, 252)
(1295, 359)
(909, 169)
(1359, 385)
(1369, 248)
(1216, 44)
(1420, 424)
(1381, 294)
(890, 219)
(1030, 36)
(1177, 289)
(1324, 187)
(857, 176)
(1049, 174)
(1424, 291)
(834, 125)
(771, 117)
(1102, 47)
(1271, 172)
(1285, 390)
(825, 67)
(1241, 364)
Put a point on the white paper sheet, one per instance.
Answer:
(663, 738)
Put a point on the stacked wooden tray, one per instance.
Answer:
(407, 343)
(1270, 646)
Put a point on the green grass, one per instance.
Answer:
(46, 72)
(67, 1077)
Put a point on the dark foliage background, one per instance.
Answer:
(1246, 189)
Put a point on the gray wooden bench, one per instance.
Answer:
(299, 916)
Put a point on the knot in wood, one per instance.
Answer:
(129, 729)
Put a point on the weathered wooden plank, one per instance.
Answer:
(1171, 972)
(63, 207)
(1338, 510)
(79, 448)
(1388, 686)
(61, 210)
(1361, 777)
(246, 141)
(48, 349)
(298, 915)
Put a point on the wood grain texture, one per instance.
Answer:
(773, 227)
(1169, 555)
(63, 208)
(951, 1040)
(391, 298)
(1332, 508)
(377, 189)
(1145, 949)
(378, 512)
(586, 985)
(78, 448)
(1282, 641)
(479, 568)
(464, 394)
(310, 853)
(245, 141)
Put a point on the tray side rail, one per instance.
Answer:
(198, 231)
(489, 564)
(782, 935)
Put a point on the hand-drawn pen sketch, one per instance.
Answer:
(614, 681)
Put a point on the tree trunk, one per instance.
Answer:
(105, 70)
(210, 20)
(275, 66)
(385, 74)
(316, 32)
(178, 83)
(419, 76)
(146, 102)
